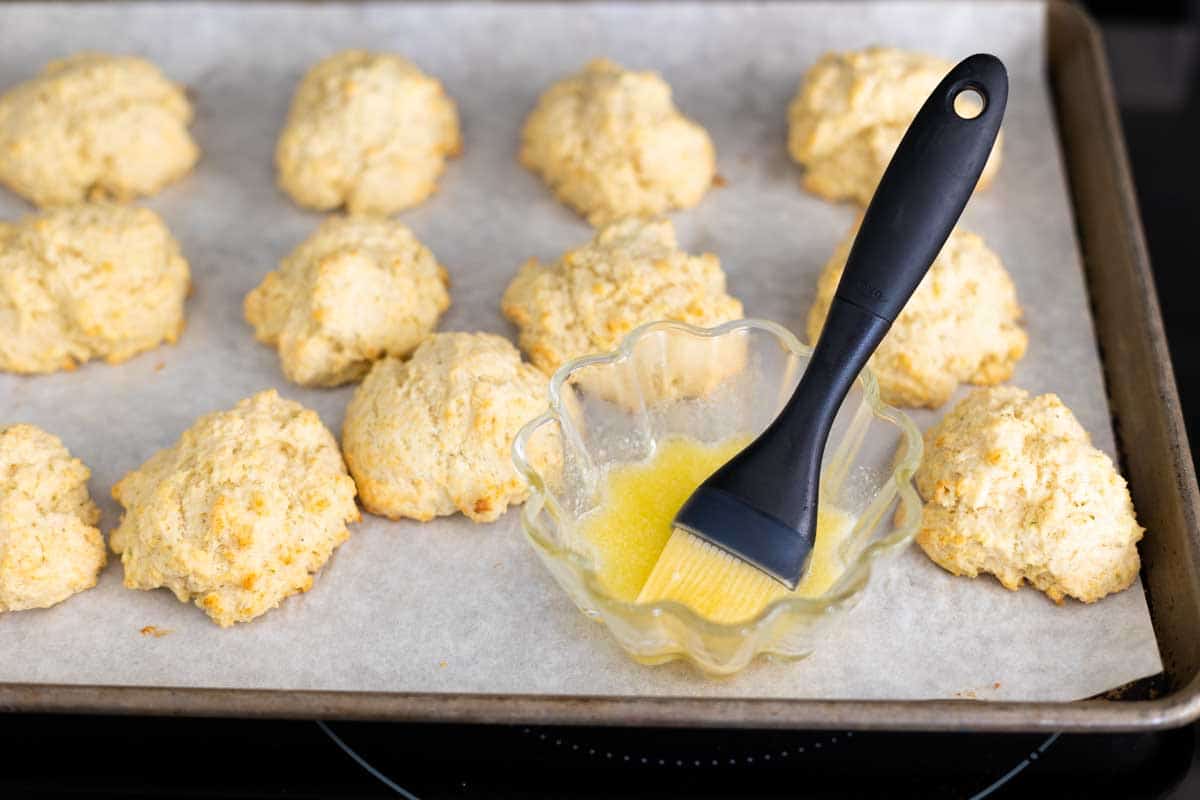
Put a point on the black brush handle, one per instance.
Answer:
(924, 190)
(918, 201)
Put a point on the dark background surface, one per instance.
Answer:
(1155, 53)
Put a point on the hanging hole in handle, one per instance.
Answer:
(969, 103)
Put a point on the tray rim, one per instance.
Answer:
(1175, 709)
(661, 712)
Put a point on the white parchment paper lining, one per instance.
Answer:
(454, 607)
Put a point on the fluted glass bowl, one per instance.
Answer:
(669, 379)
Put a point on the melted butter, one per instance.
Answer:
(630, 528)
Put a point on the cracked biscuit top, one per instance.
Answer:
(94, 126)
(240, 513)
(850, 112)
(97, 280)
(357, 290)
(368, 132)
(433, 435)
(630, 273)
(610, 144)
(50, 547)
(1013, 487)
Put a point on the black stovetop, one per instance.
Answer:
(223, 758)
(1156, 69)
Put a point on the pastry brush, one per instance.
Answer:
(751, 526)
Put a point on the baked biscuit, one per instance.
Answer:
(961, 325)
(432, 436)
(611, 144)
(1014, 487)
(630, 273)
(851, 111)
(355, 291)
(94, 126)
(238, 514)
(50, 547)
(367, 131)
(88, 281)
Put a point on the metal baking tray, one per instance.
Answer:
(1154, 456)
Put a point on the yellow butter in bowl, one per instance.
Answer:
(630, 528)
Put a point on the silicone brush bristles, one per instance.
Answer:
(717, 585)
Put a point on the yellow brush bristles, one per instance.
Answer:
(724, 588)
(717, 585)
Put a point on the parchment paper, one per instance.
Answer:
(450, 606)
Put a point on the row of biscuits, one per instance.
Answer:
(370, 133)
(362, 293)
(360, 289)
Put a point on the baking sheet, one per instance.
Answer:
(454, 607)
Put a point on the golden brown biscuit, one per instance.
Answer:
(1014, 487)
(50, 547)
(89, 281)
(630, 273)
(94, 126)
(851, 111)
(611, 144)
(238, 514)
(433, 435)
(355, 291)
(367, 131)
(961, 325)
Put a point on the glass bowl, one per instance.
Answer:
(670, 379)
